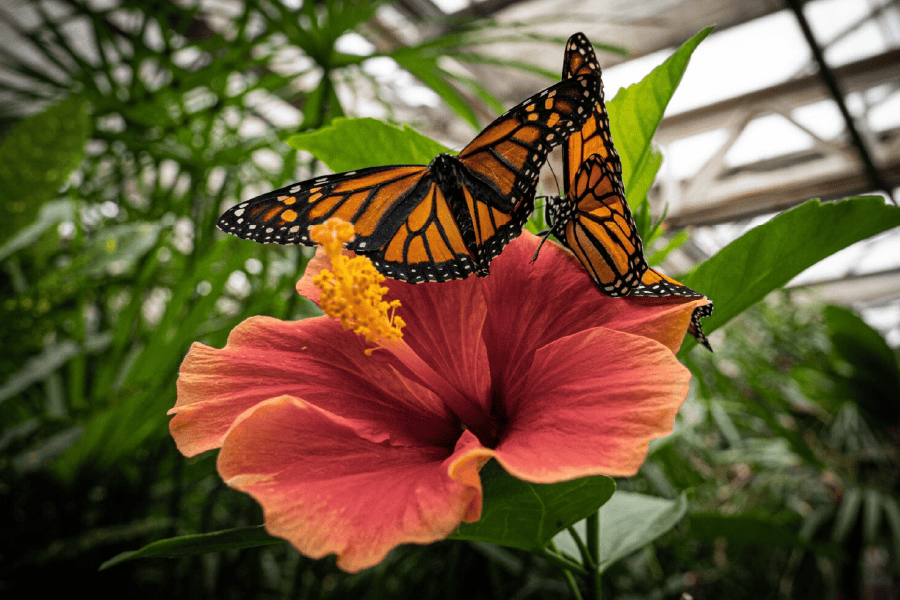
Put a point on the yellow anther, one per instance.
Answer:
(352, 292)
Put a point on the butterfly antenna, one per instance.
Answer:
(544, 235)
(555, 178)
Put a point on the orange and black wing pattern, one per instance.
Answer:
(655, 284)
(593, 219)
(595, 223)
(503, 163)
(594, 137)
(400, 215)
(438, 222)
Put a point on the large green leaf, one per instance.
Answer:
(628, 522)
(635, 113)
(349, 144)
(37, 157)
(528, 515)
(187, 545)
(767, 257)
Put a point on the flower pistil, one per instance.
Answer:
(351, 291)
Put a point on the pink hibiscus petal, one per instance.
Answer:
(313, 359)
(444, 321)
(328, 490)
(591, 405)
(530, 305)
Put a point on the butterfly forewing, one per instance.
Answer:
(594, 137)
(509, 154)
(376, 200)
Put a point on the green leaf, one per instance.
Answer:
(847, 514)
(640, 185)
(673, 244)
(426, 69)
(635, 113)
(188, 545)
(767, 257)
(40, 367)
(628, 522)
(528, 515)
(39, 455)
(119, 247)
(36, 159)
(50, 214)
(892, 515)
(349, 144)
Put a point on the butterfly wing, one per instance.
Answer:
(595, 223)
(402, 220)
(655, 284)
(594, 136)
(503, 163)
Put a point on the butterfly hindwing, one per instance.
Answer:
(594, 221)
(437, 222)
(655, 284)
(428, 245)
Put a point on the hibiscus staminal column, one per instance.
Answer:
(352, 292)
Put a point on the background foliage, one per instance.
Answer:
(780, 481)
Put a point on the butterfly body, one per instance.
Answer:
(438, 222)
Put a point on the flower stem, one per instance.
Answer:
(562, 562)
(595, 589)
(573, 585)
(567, 566)
(586, 558)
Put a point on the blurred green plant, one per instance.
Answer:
(110, 274)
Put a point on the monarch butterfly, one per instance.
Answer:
(593, 219)
(437, 222)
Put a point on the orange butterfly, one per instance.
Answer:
(437, 222)
(593, 219)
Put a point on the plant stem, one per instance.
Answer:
(552, 554)
(587, 558)
(595, 589)
(563, 563)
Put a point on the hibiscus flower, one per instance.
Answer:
(353, 447)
